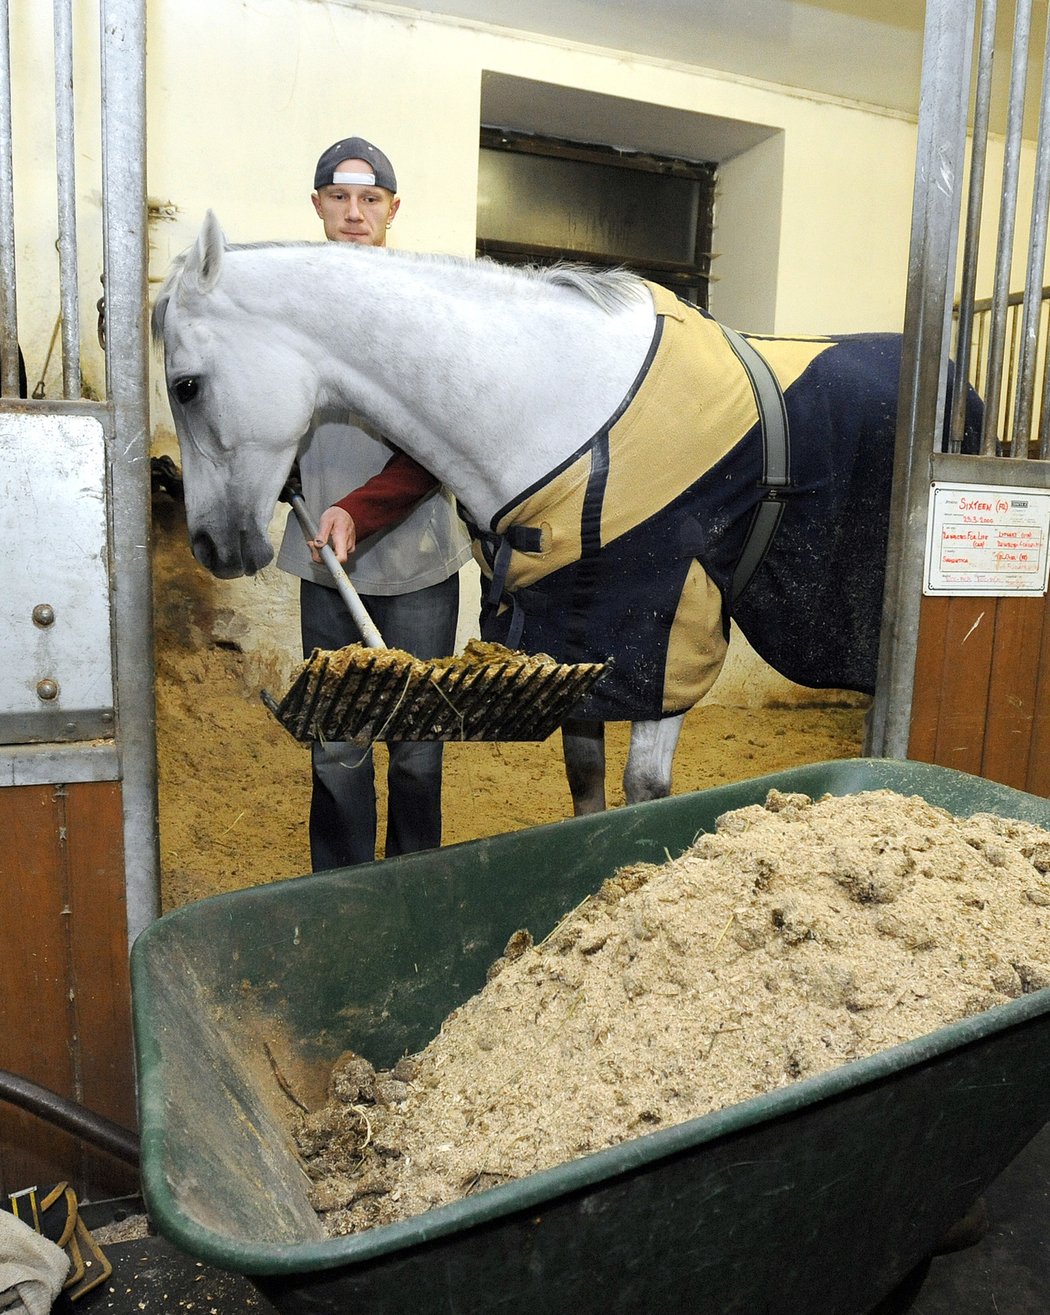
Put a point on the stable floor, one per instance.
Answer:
(1006, 1273)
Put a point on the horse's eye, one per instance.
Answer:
(186, 389)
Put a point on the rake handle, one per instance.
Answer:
(349, 595)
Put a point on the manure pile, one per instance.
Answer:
(799, 936)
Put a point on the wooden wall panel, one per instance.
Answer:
(929, 659)
(982, 689)
(64, 983)
(99, 963)
(35, 1023)
(1038, 777)
(951, 689)
(1012, 686)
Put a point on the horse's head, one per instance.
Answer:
(243, 390)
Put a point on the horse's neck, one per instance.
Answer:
(488, 390)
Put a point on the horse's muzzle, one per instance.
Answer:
(244, 554)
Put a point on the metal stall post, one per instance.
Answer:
(126, 244)
(77, 722)
(944, 101)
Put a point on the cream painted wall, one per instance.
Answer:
(748, 218)
(240, 135)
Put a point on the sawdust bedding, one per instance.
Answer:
(234, 786)
(796, 937)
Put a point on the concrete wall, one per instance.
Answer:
(812, 219)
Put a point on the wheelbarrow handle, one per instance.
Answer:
(369, 633)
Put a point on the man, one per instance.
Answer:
(398, 533)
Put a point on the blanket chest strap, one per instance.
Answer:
(776, 460)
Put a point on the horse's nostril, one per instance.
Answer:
(256, 551)
(203, 548)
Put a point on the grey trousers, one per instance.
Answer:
(343, 802)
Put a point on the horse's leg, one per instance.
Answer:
(648, 771)
(583, 744)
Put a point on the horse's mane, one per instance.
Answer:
(609, 289)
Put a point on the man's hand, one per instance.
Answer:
(337, 527)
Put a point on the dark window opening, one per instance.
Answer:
(541, 200)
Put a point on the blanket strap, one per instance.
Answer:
(497, 549)
(776, 461)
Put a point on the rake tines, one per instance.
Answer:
(490, 693)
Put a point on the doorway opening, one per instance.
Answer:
(546, 199)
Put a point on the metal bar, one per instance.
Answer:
(125, 250)
(72, 1117)
(982, 339)
(1007, 223)
(1044, 392)
(65, 153)
(955, 468)
(1022, 430)
(9, 381)
(1011, 375)
(1014, 299)
(940, 152)
(971, 241)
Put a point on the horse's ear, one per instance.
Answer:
(156, 319)
(204, 263)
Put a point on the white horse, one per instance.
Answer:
(492, 379)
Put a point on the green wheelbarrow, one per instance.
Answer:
(816, 1199)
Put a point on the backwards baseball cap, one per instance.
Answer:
(355, 148)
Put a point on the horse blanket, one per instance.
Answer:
(626, 552)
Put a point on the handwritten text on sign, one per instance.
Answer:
(988, 541)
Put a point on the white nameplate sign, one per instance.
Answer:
(991, 541)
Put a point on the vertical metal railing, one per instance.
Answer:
(1007, 223)
(65, 163)
(66, 172)
(9, 378)
(1029, 339)
(125, 413)
(1017, 438)
(964, 363)
(1001, 341)
(1043, 426)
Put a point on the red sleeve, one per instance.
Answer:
(388, 497)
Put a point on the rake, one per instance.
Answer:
(367, 692)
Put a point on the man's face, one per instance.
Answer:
(353, 213)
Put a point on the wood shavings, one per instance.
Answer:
(796, 937)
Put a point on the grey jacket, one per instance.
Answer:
(428, 546)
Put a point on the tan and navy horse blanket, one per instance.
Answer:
(626, 552)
